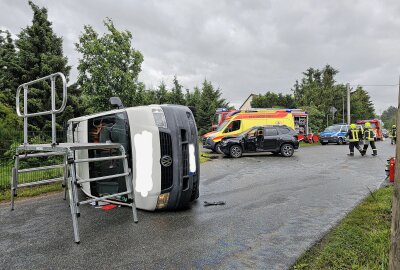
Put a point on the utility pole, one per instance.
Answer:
(348, 104)
(394, 255)
(343, 109)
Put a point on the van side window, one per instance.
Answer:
(271, 132)
(235, 125)
(344, 129)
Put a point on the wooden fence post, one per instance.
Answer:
(394, 255)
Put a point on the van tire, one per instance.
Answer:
(340, 141)
(287, 150)
(236, 151)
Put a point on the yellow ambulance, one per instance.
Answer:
(244, 120)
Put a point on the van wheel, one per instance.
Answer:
(236, 151)
(287, 150)
(340, 141)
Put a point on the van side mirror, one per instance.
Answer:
(116, 102)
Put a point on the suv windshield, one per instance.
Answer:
(332, 129)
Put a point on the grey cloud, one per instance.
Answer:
(241, 46)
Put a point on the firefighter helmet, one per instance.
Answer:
(367, 125)
(353, 126)
(394, 126)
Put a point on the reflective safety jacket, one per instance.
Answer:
(369, 134)
(393, 132)
(355, 135)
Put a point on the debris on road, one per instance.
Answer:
(214, 203)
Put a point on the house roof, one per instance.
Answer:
(250, 97)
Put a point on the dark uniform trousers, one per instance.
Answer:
(393, 134)
(373, 147)
(356, 145)
(354, 136)
(370, 141)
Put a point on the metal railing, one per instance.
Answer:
(53, 110)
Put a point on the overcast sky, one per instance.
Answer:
(243, 47)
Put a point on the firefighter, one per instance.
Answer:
(369, 139)
(354, 136)
(393, 134)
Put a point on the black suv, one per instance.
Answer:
(271, 138)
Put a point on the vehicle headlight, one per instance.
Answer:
(159, 116)
(192, 159)
(223, 143)
(162, 201)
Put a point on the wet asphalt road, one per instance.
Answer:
(275, 209)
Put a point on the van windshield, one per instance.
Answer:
(373, 125)
(222, 126)
(217, 118)
(332, 129)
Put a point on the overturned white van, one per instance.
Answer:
(161, 144)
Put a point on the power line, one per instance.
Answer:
(375, 85)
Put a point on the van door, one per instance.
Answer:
(233, 128)
(271, 138)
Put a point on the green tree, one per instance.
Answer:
(210, 101)
(109, 67)
(145, 96)
(273, 100)
(362, 107)
(40, 53)
(10, 126)
(193, 99)
(316, 118)
(319, 89)
(9, 69)
(176, 96)
(161, 94)
(389, 117)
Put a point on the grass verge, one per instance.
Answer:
(360, 241)
(30, 191)
(304, 144)
(204, 157)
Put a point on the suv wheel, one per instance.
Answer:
(340, 141)
(287, 150)
(217, 148)
(236, 151)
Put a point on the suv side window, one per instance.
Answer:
(271, 132)
(284, 130)
(344, 129)
(235, 125)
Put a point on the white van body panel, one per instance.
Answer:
(141, 126)
(173, 136)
